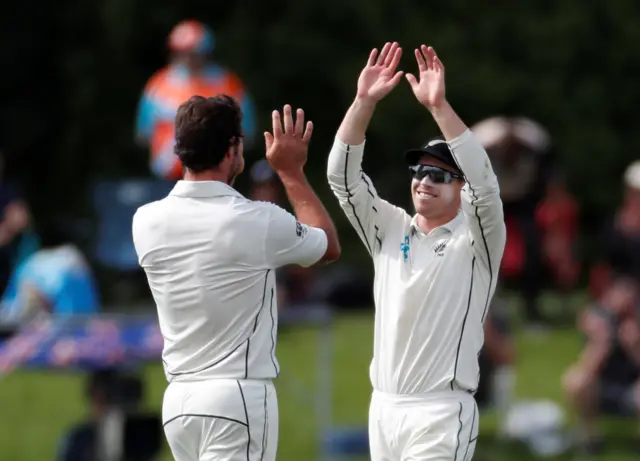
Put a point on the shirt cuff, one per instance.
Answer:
(352, 147)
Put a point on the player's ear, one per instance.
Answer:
(231, 152)
(228, 155)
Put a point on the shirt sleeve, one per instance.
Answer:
(287, 241)
(367, 212)
(481, 203)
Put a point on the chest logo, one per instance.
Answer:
(439, 248)
(404, 248)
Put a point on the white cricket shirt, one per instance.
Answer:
(209, 255)
(431, 291)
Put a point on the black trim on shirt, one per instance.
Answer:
(473, 423)
(482, 234)
(212, 365)
(489, 266)
(364, 178)
(486, 249)
(255, 324)
(246, 341)
(197, 415)
(265, 428)
(368, 186)
(246, 413)
(273, 335)
(353, 207)
(464, 324)
(455, 456)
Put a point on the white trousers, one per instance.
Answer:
(221, 419)
(440, 426)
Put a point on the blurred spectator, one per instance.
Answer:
(606, 378)
(14, 221)
(112, 393)
(79, 443)
(497, 362)
(190, 72)
(265, 185)
(518, 148)
(621, 238)
(55, 280)
(558, 221)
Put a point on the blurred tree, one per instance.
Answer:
(74, 71)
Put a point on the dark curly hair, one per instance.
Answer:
(205, 130)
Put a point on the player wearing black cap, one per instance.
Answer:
(435, 271)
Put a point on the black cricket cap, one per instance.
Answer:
(437, 148)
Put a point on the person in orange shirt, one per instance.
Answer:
(190, 72)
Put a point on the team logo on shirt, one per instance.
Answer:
(301, 230)
(439, 248)
(404, 247)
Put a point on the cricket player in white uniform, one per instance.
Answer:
(210, 257)
(435, 271)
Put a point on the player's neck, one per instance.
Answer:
(208, 175)
(426, 225)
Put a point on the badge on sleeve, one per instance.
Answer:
(301, 230)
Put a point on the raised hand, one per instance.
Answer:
(379, 76)
(287, 148)
(429, 87)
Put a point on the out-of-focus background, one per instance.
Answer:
(89, 90)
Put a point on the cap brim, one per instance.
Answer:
(413, 156)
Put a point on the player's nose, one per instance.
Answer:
(426, 182)
(427, 187)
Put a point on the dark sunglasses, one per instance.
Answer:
(436, 175)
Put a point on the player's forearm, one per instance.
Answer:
(356, 121)
(469, 154)
(450, 124)
(345, 158)
(309, 210)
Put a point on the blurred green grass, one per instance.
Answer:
(36, 408)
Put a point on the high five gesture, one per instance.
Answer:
(377, 79)
(379, 76)
(287, 149)
(429, 86)
(429, 90)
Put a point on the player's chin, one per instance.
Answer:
(423, 207)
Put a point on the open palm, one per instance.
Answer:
(429, 88)
(287, 149)
(379, 76)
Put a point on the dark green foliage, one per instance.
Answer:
(73, 71)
